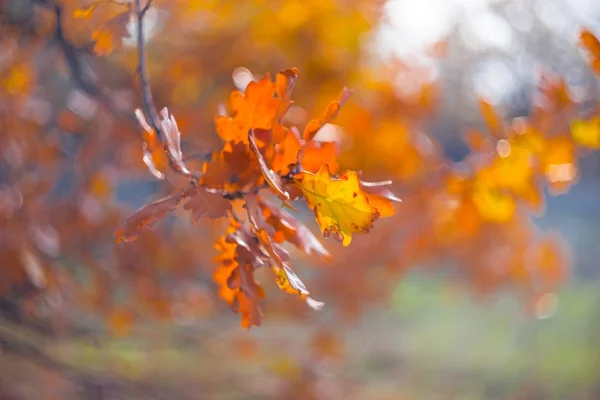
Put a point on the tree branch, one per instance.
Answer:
(147, 101)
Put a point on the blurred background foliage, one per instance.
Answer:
(432, 304)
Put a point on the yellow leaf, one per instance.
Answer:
(587, 133)
(340, 206)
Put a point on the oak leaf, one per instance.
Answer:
(286, 278)
(147, 216)
(340, 206)
(274, 180)
(232, 168)
(203, 203)
(331, 112)
(380, 197)
(287, 228)
(255, 108)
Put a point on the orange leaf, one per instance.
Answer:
(103, 39)
(380, 197)
(256, 108)
(231, 169)
(315, 154)
(330, 113)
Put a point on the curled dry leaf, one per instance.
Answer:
(274, 180)
(154, 156)
(286, 278)
(147, 216)
(287, 228)
(173, 137)
(340, 206)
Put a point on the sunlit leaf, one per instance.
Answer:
(330, 113)
(340, 206)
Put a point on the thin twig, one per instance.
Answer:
(147, 101)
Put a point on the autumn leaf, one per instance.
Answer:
(380, 197)
(315, 154)
(147, 216)
(340, 206)
(586, 133)
(154, 157)
(248, 291)
(173, 137)
(288, 228)
(256, 108)
(203, 203)
(274, 180)
(287, 153)
(286, 279)
(108, 37)
(330, 113)
(232, 168)
(103, 39)
(85, 12)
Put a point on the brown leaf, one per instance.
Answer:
(147, 216)
(203, 203)
(288, 228)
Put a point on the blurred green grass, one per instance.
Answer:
(435, 340)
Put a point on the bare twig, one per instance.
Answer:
(147, 101)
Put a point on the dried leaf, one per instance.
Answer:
(274, 180)
(147, 216)
(203, 203)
